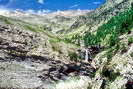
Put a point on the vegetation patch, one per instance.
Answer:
(73, 56)
(123, 48)
(56, 47)
(5, 19)
(115, 27)
(30, 28)
(131, 54)
(130, 40)
(110, 74)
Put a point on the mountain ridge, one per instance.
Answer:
(49, 53)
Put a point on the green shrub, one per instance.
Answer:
(110, 74)
(130, 40)
(123, 48)
(131, 54)
(73, 56)
(55, 47)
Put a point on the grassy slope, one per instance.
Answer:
(55, 43)
(25, 26)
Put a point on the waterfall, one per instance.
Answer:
(86, 55)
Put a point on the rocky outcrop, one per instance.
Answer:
(114, 72)
(23, 64)
(15, 42)
(37, 59)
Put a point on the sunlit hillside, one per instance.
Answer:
(72, 49)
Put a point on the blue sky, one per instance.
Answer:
(49, 5)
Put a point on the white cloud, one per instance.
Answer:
(3, 11)
(43, 11)
(40, 1)
(96, 3)
(31, 11)
(76, 5)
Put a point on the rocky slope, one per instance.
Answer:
(38, 53)
(114, 62)
(114, 70)
(27, 60)
(96, 18)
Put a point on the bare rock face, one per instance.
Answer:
(18, 75)
(24, 62)
(34, 60)
(115, 72)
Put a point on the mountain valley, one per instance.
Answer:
(48, 51)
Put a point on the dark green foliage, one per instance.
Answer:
(111, 52)
(113, 39)
(73, 56)
(131, 54)
(91, 39)
(110, 74)
(115, 27)
(130, 40)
